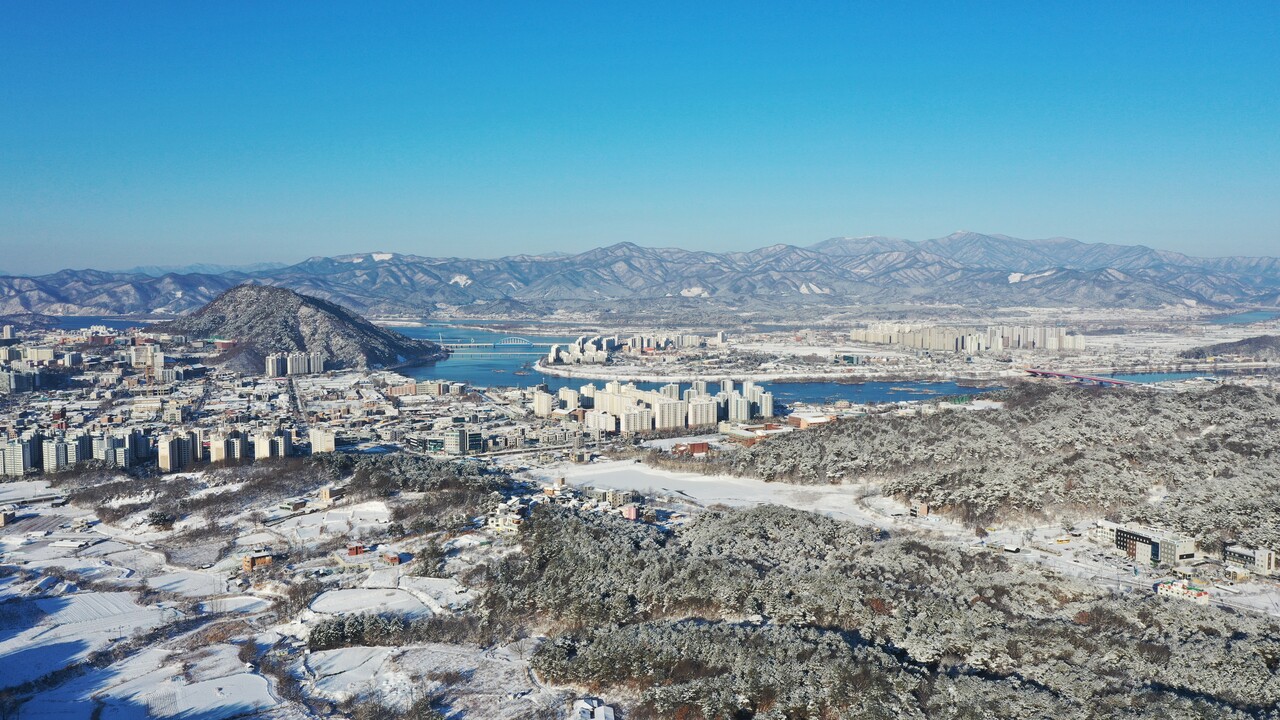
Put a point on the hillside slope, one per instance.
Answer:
(270, 319)
(1263, 347)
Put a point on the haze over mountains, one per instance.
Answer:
(963, 268)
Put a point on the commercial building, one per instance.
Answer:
(1146, 545)
(1255, 560)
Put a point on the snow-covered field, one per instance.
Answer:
(189, 582)
(376, 600)
(46, 634)
(340, 674)
(837, 501)
(493, 684)
(368, 518)
(14, 491)
(209, 684)
(238, 604)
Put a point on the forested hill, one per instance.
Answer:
(1059, 451)
(270, 319)
(1263, 347)
(777, 614)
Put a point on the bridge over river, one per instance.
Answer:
(1037, 372)
(501, 346)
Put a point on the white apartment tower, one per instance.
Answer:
(544, 403)
(637, 420)
(766, 404)
(703, 411)
(670, 414)
(739, 408)
(322, 440)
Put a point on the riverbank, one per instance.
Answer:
(1176, 368)
(852, 376)
(843, 376)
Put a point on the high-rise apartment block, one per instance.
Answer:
(970, 340)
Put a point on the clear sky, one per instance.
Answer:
(235, 132)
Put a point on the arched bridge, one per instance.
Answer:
(499, 343)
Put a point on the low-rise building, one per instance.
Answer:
(1255, 560)
(257, 560)
(1183, 590)
(330, 494)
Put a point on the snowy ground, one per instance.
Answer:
(837, 501)
(190, 583)
(494, 684)
(371, 600)
(353, 521)
(17, 491)
(45, 634)
(47, 624)
(210, 684)
(714, 439)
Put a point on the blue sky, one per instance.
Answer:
(235, 132)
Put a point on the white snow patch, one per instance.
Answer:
(209, 683)
(378, 257)
(341, 673)
(837, 501)
(62, 630)
(1023, 277)
(347, 602)
(460, 280)
(238, 603)
(189, 583)
(497, 683)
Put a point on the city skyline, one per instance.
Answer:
(182, 133)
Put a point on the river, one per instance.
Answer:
(1245, 318)
(511, 365)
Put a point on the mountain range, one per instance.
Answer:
(267, 319)
(963, 268)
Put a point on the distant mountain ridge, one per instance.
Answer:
(962, 268)
(204, 269)
(267, 320)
